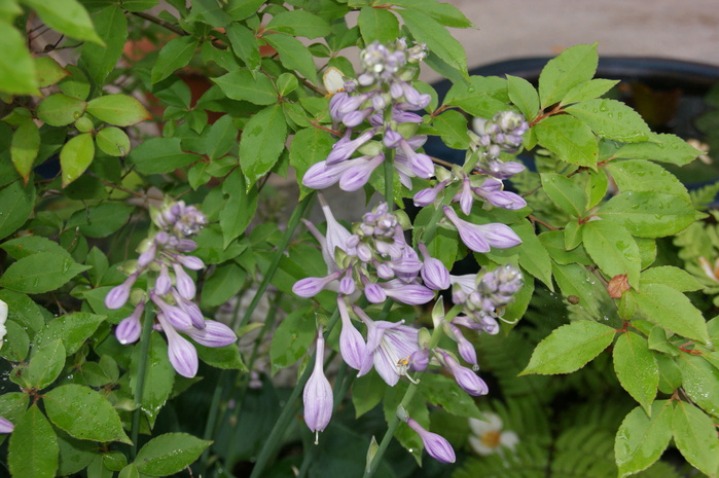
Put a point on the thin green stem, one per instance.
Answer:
(427, 234)
(292, 224)
(144, 351)
(389, 178)
(287, 414)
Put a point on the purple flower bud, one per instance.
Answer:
(118, 295)
(384, 271)
(186, 245)
(391, 138)
(311, 286)
(465, 378)
(420, 163)
(464, 346)
(364, 253)
(191, 309)
(147, 256)
(482, 238)
(410, 294)
(129, 328)
(317, 394)
(352, 346)
(347, 284)
(465, 197)
(6, 426)
(344, 148)
(425, 197)
(215, 334)
(374, 293)
(355, 118)
(491, 191)
(181, 352)
(414, 97)
(177, 317)
(321, 175)
(191, 262)
(359, 172)
(419, 360)
(437, 446)
(163, 282)
(434, 273)
(185, 285)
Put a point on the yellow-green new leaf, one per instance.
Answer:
(636, 368)
(641, 440)
(696, 437)
(118, 110)
(76, 156)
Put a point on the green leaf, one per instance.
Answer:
(76, 156)
(263, 140)
(48, 71)
(641, 440)
(523, 95)
(159, 378)
(41, 272)
(210, 12)
(113, 141)
(225, 358)
(75, 455)
(160, 155)
(17, 70)
(84, 413)
(16, 205)
(588, 90)
(299, 23)
(76, 85)
(169, 453)
(23, 310)
(636, 368)
(441, 391)
(244, 43)
(367, 393)
(700, 381)
(666, 307)
(649, 213)
(569, 348)
(66, 16)
(309, 146)
(286, 84)
(452, 128)
(138, 5)
(445, 13)
(565, 193)
(611, 119)
(216, 139)
(118, 110)
(46, 364)
(573, 66)
(293, 55)
(292, 338)
(665, 148)
(640, 175)
(481, 96)
(613, 249)
(225, 282)
(378, 24)
(239, 209)
(60, 110)
(533, 256)
(101, 220)
(16, 343)
(98, 60)
(24, 148)
(674, 277)
(33, 449)
(696, 437)
(72, 329)
(173, 56)
(569, 138)
(438, 40)
(242, 85)
(241, 9)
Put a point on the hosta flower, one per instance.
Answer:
(465, 378)
(481, 238)
(6, 426)
(182, 354)
(352, 346)
(436, 445)
(487, 436)
(317, 394)
(129, 329)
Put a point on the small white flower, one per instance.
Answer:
(487, 436)
(3, 318)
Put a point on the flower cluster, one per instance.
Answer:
(164, 259)
(383, 97)
(504, 132)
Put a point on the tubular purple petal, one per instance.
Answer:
(317, 395)
(163, 282)
(374, 293)
(191, 262)
(129, 329)
(177, 317)
(6, 426)
(357, 175)
(181, 352)
(434, 273)
(118, 295)
(352, 345)
(184, 283)
(311, 286)
(465, 378)
(410, 294)
(215, 334)
(436, 445)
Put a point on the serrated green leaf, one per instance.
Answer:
(588, 90)
(159, 378)
(48, 71)
(113, 141)
(24, 148)
(76, 156)
(569, 138)
(452, 128)
(118, 110)
(216, 140)
(98, 60)
(293, 55)
(438, 40)
(241, 9)
(16, 205)
(169, 453)
(441, 391)
(666, 307)
(173, 56)
(523, 95)
(299, 23)
(33, 449)
(225, 282)
(17, 70)
(16, 343)
(640, 175)
(641, 440)
(611, 119)
(160, 155)
(533, 257)
(84, 413)
(66, 16)
(649, 214)
(46, 364)
(242, 85)
(696, 437)
(72, 329)
(481, 96)
(263, 140)
(378, 24)
(101, 220)
(60, 110)
(570, 68)
(569, 348)
(613, 249)
(565, 193)
(291, 339)
(674, 277)
(367, 393)
(309, 146)
(665, 148)
(23, 310)
(41, 272)
(636, 368)
(225, 358)
(244, 44)
(700, 381)
(445, 13)
(239, 209)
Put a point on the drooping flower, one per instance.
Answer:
(317, 395)
(436, 445)
(481, 238)
(181, 352)
(129, 329)
(352, 346)
(434, 273)
(487, 436)
(465, 378)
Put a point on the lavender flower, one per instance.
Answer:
(317, 395)
(214, 334)
(129, 328)
(352, 347)
(6, 426)
(483, 238)
(434, 273)
(436, 445)
(118, 296)
(181, 352)
(465, 378)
